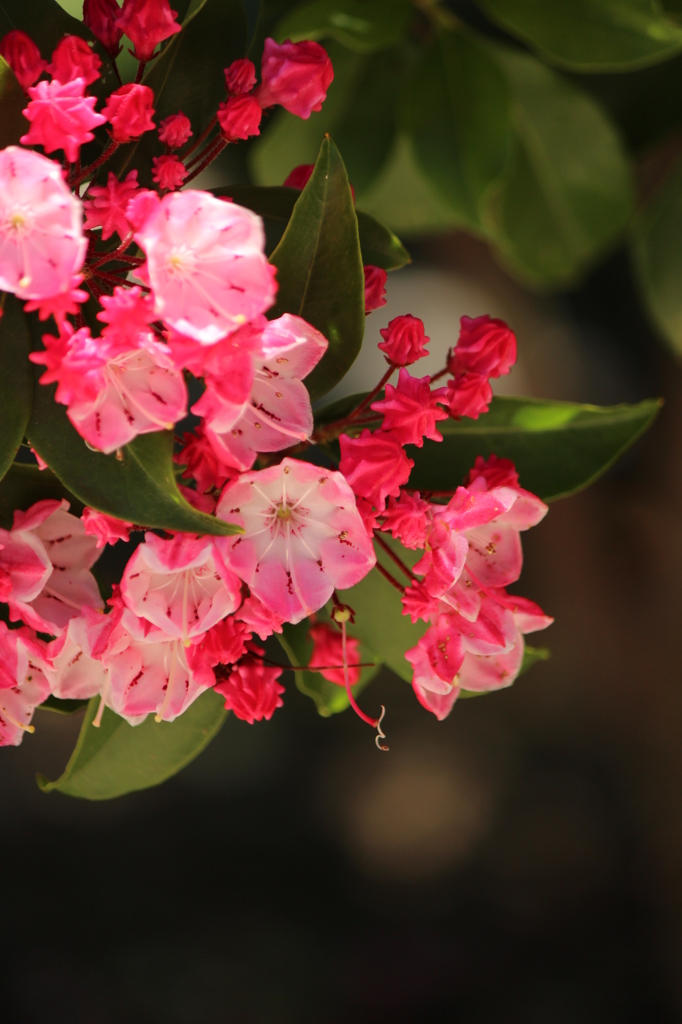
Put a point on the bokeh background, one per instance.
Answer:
(517, 862)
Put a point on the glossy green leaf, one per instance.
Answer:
(138, 487)
(591, 35)
(532, 655)
(62, 707)
(558, 448)
(319, 268)
(16, 380)
(657, 249)
(456, 112)
(568, 193)
(379, 246)
(359, 25)
(329, 697)
(13, 124)
(45, 21)
(118, 758)
(23, 485)
(358, 113)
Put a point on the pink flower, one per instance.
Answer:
(202, 462)
(129, 111)
(375, 288)
(42, 246)
(106, 529)
(169, 172)
(73, 58)
(23, 682)
(251, 690)
(469, 394)
(295, 75)
(59, 539)
(418, 603)
(206, 264)
(59, 306)
(485, 346)
(277, 412)
(179, 585)
(105, 206)
(374, 465)
(328, 650)
(258, 618)
(299, 177)
(100, 17)
(61, 117)
(528, 510)
(240, 77)
(411, 409)
(127, 314)
(407, 519)
(404, 340)
(175, 130)
(147, 23)
(495, 472)
(225, 642)
(23, 56)
(239, 118)
(74, 673)
(302, 537)
(226, 366)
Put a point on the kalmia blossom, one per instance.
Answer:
(375, 465)
(100, 17)
(74, 673)
(406, 518)
(73, 58)
(206, 264)
(404, 340)
(239, 118)
(485, 346)
(61, 117)
(258, 618)
(105, 205)
(105, 529)
(469, 394)
(66, 303)
(302, 536)
(295, 75)
(225, 642)
(146, 23)
(202, 462)
(375, 287)
(23, 682)
(23, 56)
(251, 690)
(175, 130)
(240, 77)
(129, 110)
(411, 409)
(168, 172)
(328, 653)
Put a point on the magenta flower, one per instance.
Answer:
(105, 529)
(469, 394)
(251, 690)
(375, 465)
(295, 75)
(485, 346)
(42, 245)
(105, 206)
(407, 519)
(411, 409)
(129, 110)
(73, 58)
(239, 118)
(61, 117)
(303, 536)
(146, 23)
(375, 288)
(206, 264)
(404, 340)
(240, 77)
(100, 17)
(175, 130)
(328, 651)
(168, 172)
(23, 56)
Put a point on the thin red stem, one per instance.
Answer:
(392, 555)
(333, 429)
(391, 579)
(200, 138)
(140, 71)
(101, 159)
(217, 148)
(113, 279)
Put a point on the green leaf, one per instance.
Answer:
(568, 193)
(456, 111)
(558, 448)
(657, 251)
(138, 487)
(359, 25)
(45, 21)
(319, 268)
(591, 35)
(329, 697)
(13, 124)
(532, 655)
(16, 380)
(62, 707)
(358, 113)
(118, 758)
(275, 204)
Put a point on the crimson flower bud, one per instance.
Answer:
(73, 58)
(240, 77)
(251, 690)
(169, 172)
(174, 131)
(469, 394)
(295, 75)
(239, 117)
(100, 17)
(404, 340)
(129, 111)
(375, 465)
(375, 288)
(23, 56)
(484, 346)
(299, 177)
(495, 471)
(147, 23)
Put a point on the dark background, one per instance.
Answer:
(518, 862)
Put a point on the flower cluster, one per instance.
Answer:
(182, 295)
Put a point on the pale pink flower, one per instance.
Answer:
(42, 245)
(73, 58)
(147, 23)
(105, 206)
(23, 56)
(180, 585)
(48, 527)
(74, 673)
(375, 465)
(105, 529)
(251, 690)
(303, 536)
(277, 413)
(61, 117)
(295, 75)
(23, 682)
(206, 264)
(411, 409)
